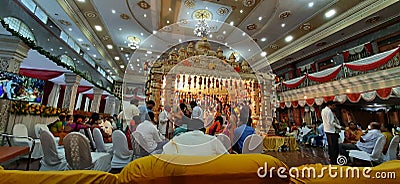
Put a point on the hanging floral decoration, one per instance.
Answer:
(24, 108)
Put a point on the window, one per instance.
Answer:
(67, 60)
(18, 26)
(31, 6)
(41, 15)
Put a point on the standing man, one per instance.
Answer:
(197, 112)
(129, 112)
(145, 109)
(332, 129)
(165, 125)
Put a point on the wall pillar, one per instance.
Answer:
(97, 93)
(12, 52)
(71, 88)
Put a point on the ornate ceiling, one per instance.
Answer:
(111, 30)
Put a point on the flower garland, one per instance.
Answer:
(48, 55)
(24, 108)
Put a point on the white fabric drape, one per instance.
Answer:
(396, 91)
(78, 101)
(302, 103)
(368, 96)
(87, 104)
(319, 101)
(53, 96)
(340, 98)
(52, 159)
(288, 104)
(122, 155)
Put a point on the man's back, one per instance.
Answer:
(150, 134)
(369, 140)
(241, 133)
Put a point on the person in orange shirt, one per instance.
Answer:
(216, 127)
(352, 134)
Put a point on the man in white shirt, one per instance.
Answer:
(197, 112)
(129, 112)
(332, 129)
(164, 119)
(366, 142)
(152, 138)
(194, 142)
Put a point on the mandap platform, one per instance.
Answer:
(273, 143)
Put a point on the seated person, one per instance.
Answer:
(306, 133)
(194, 142)
(366, 142)
(152, 137)
(57, 127)
(352, 134)
(76, 125)
(242, 132)
(165, 121)
(320, 134)
(386, 130)
(216, 127)
(294, 131)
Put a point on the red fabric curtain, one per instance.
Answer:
(384, 93)
(346, 55)
(90, 96)
(61, 97)
(295, 104)
(325, 78)
(39, 74)
(354, 97)
(282, 105)
(48, 86)
(373, 65)
(82, 89)
(329, 98)
(310, 102)
(295, 84)
(368, 48)
(102, 105)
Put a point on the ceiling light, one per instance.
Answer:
(52, 49)
(116, 58)
(330, 13)
(144, 15)
(188, 13)
(145, 55)
(180, 40)
(283, 25)
(289, 38)
(120, 29)
(122, 66)
(167, 21)
(231, 23)
(305, 97)
(88, 48)
(109, 47)
(210, 35)
(79, 40)
(51, 26)
(206, 8)
(149, 52)
(98, 28)
(259, 18)
(348, 90)
(249, 50)
(94, 55)
(137, 60)
(154, 31)
(138, 64)
(169, 9)
(223, 32)
(126, 55)
(263, 39)
(243, 34)
(158, 56)
(241, 11)
(60, 48)
(263, 54)
(310, 4)
(122, 48)
(69, 29)
(82, 1)
(113, 11)
(151, 45)
(141, 34)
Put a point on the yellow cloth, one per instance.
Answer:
(386, 167)
(33, 177)
(273, 143)
(221, 169)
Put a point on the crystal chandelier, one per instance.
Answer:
(202, 29)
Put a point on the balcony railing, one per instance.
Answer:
(345, 72)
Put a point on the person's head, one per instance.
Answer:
(244, 117)
(293, 123)
(193, 104)
(70, 118)
(150, 104)
(386, 127)
(151, 116)
(95, 117)
(79, 118)
(62, 117)
(318, 122)
(352, 125)
(167, 108)
(374, 126)
(194, 124)
(134, 102)
(219, 119)
(304, 125)
(331, 104)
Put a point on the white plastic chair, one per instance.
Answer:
(52, 160)
(391, 153)
(139, 145)
(100, 145)
(39, 127)
(375, 156)
(79, 157)
(122, 155)
(341, 134)
(225, 140)
(21, 130)
(253, 144)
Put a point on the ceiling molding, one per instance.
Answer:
(359, 12)
(79, 19)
